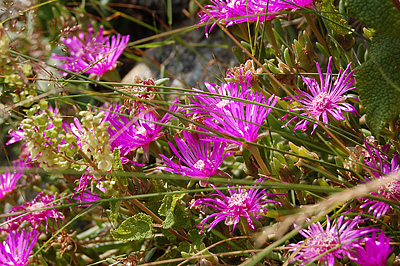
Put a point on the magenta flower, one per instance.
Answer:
(35, 212)
(336, 240)
(128, 134)
(247, 203)
(17, 248)
(9, 180)
(380, 166)
(222, 96)
(228, 115)
(375, 252)
(325, 98)
(240, 11)
(201, 156)
(92, 53)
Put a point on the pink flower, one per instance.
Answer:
(336, 240)
(92, 53)
(237, 112)
(36, 212)
(375, 252)
(247, 203)
(128, 134)
(9, 180)
(17, 248)
(325, 98)
(380, 167)
(201, 156)
(240, 11)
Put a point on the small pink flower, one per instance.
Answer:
(326, 244)
(325, 98)
(200, 159)
(9, 180)
(375, 252)
(35, 212)
(17, 248)
(91, 52)
(241, 202)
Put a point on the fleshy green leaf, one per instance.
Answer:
(381, 15)
(137, 227)
(329, 11)
(167, 209)
(378, 80)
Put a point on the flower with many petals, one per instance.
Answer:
(325, 98)
(92, 53)
(17, 248)
(237, 112)
(240, 11)
(241, 202)
(35, 212)
(380, 166)
(201, 156)
(375, 252)
(335, 241)
(8, 180)
(128, 133)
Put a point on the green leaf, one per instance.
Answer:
(329, 11)
(114, 208)
(137, 227)
(378, 80)
(196, 237)
(381, 15)
(167, 209)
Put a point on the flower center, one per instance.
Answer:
(323, 242)
(391, 190)
(141, 131)
(321, 102)
(200, 165)
(223, 103)
(238, 201)
(37, 205)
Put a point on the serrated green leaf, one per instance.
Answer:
(114, 208)
(137, 227)
(381, 15)
(329, 11)
(182, 217)
(167, 209)
(196, 237)
(378, 80)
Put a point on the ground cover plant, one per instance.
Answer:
(214, 132)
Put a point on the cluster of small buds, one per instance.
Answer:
(93, 138)
(45, 138)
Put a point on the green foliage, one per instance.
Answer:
(339, 25)
(114, 209)
(137, 227)
(378, 80)
(167, 209)
(381, 15)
